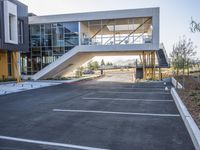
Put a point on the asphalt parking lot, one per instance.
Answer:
(93, 115)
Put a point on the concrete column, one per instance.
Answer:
(144, 66)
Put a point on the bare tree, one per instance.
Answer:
(194, 26)
(176, 59)
(182, 54)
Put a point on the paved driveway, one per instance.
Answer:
(93, 115)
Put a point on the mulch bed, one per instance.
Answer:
(190, 96)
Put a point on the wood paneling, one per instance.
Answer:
(3, 65)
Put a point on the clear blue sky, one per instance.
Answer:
(175, 15)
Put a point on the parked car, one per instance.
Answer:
(88, 72)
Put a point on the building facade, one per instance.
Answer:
(47, 43)
(14, 37)
(55, 35)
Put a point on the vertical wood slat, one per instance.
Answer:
(3, 65)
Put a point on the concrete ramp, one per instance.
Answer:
(67, 62)
(81, 54)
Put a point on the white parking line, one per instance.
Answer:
(133, 92)
(116, 113)
(151, 90)
(49, 143)
(113, 88)
(126, 99)
(150, 87)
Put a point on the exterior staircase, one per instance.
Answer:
(163, 61)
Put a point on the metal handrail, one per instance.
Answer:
(134, 30)
(110, 38)
(165, 53)
(100, 29)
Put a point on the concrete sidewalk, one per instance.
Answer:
(23, 86)
(13, 87)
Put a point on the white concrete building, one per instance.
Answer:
(61, 43)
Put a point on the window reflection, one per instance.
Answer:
(49, 42)
(117, 31)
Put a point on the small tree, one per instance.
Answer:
(109, 64)
(194, 26)
(93, 65)
(102, 63)
(89, 65)
(176, 59)
(182, 54)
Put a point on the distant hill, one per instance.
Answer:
(128, 62)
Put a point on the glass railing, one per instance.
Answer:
(117, 40)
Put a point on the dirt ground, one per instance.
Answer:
(191, 96)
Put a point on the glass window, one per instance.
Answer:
(9, 64)
(20, 31)
(50, 41)
(47, 28)
(117, 31)
(35, 29)
(70, 27)
(58, 50)
(36, 64)
(35, 42)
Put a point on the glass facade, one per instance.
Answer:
(117, 31)
(21, 31)
(9, 55)
(50, 41)
(47, 43)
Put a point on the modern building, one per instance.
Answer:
(61, 43)
(14, 37)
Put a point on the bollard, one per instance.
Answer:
(166, 88)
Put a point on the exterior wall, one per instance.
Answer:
(11, 48)
(134, 30)
(4, 65)
(22, 14)
(115, 14)
(47, 43)
(15, 65)
(10, 22)
(1, 24)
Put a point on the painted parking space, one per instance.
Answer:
(76, 117)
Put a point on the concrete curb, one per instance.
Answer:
(188, 120)
(9, 82)
(176, 84)
(83, 79)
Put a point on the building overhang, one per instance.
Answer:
(119, 48)
(113, 14)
